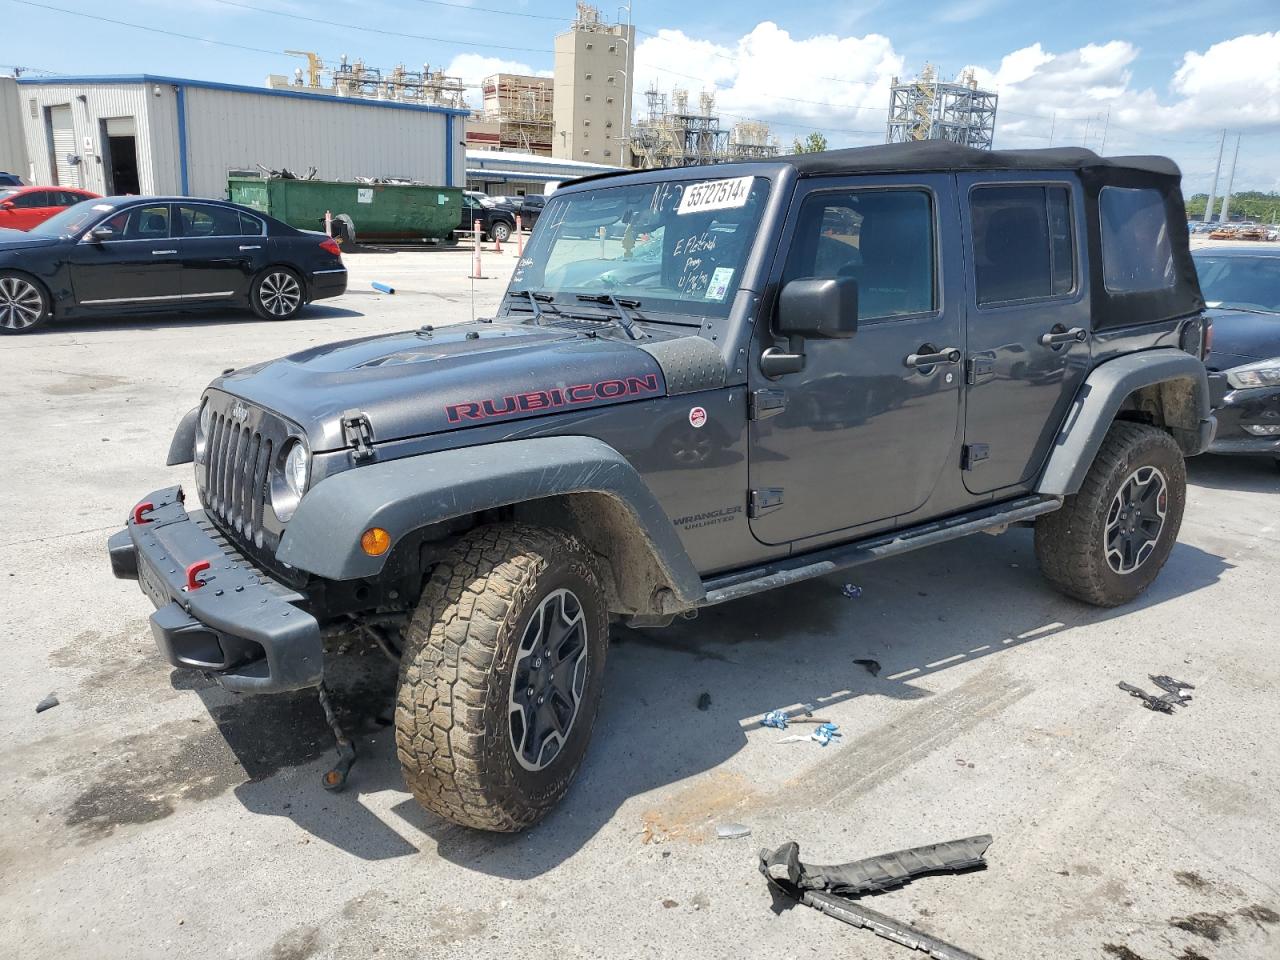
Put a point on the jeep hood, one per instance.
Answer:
(420, 382)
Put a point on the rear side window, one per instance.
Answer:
(251, 226)
(1136, 255)
(207, 221)
(1023, 243)
(881, 238)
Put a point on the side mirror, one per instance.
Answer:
(811, 309)
(102, 233)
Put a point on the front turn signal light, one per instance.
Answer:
(375, 541)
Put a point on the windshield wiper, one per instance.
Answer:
(536, 300)
(622, 306)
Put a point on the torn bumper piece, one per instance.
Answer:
(830, 889)
(873, 874)
(236, 622)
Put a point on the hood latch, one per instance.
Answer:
(358, 432)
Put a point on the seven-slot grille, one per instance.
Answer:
(238, 477)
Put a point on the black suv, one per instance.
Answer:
(700, 384)
(496, 222)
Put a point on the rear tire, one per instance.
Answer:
(277, 294)
(501, 677)
(24, 304)
(1109, 541)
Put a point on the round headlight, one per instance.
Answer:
(289, 481)
(295, 468)
(202, 432)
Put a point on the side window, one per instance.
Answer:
(32, 200)
(147, 223)
(1023, 243)
(68, 199)
(251, 226)
(1136, 255)
(200, 220)
(882, 238)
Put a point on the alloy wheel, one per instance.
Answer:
(1135, 519)
(547, 680)
(280, 293)
(21, 303)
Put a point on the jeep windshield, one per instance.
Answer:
(677, 246)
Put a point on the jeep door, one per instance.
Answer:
(864, 431)
(1028, 321)
(137, 267)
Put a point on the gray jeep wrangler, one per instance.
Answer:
(700, 384)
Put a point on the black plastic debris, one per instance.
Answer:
(831, 889)
(871, 666)
(1172, 697)
(704, 701)
(48, 703)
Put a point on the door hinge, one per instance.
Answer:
(357, 431)
(981, 366)
(767, 403)
(760, 502)
(973, 454)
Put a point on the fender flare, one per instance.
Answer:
(1100, 399)
(402, 496)
(182, 447)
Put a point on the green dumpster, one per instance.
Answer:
(360, 211)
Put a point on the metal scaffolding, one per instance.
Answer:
(673, 135)
(522, 108)
(355, 79)
(929, 109)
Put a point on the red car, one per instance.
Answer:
(22, 208)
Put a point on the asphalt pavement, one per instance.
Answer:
(152, 814)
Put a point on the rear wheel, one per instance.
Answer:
(23, 304)
(277, 294)
(1109, 541)
(501, 677)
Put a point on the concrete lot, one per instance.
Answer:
(152, 814)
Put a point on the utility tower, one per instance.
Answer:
(927, 108)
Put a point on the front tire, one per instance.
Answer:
(501, 677)
(277, 294)
(24, 305)
(500, 231)
(1108, 542)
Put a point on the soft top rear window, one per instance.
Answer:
(1136, 254)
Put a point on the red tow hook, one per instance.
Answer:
(140, 510)
(193, 571)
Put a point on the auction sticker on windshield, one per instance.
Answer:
(719, 284)
(715, 195)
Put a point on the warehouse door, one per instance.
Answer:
(62, 143)
(120, 136)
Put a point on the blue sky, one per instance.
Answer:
(1159, 78)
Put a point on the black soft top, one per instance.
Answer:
(939, 155)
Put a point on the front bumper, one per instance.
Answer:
(238, 623)
(1237, 409)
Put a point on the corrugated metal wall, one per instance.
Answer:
(157, 170)
(230, 129)
(13, 146)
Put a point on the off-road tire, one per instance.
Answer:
(1070, 543)
(24, 303)
(453, 728)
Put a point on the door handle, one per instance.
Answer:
(946, 355)
(1058, 336)
(244, 247)
(161, 253)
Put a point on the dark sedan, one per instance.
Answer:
(1241, 286)
(122, 255)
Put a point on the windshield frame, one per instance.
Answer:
(684, 308)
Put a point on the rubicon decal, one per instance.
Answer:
(533, 401)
